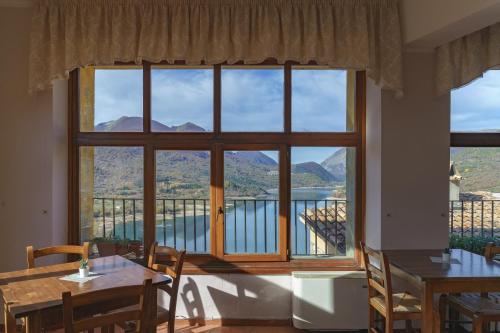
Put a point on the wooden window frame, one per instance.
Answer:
(216, 142)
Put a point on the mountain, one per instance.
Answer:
(254, 157)
(336, 164)
(315, 169)
(479, 168)
(118, 171)
(135, 124)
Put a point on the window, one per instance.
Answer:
(182, 99)
(252, 99)
(236, 164)
(475, 158)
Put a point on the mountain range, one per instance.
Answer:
(118, 171)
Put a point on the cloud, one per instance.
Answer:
(117, 93)
(319, 100)
(252, 100)
(476, 107)
(183, 95)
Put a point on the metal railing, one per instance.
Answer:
(474, 218)
(251, 226)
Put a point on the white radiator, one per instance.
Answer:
(330, 300)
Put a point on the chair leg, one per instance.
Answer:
(442, 313)
(388, 325)
(477, 325)
(409, 327)
(371, 318)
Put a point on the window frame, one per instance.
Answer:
(216, 142)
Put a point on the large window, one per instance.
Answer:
(475, 158)
(234, 164)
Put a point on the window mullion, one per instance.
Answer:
(217, 99)
(149, 166)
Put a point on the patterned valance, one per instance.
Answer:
(352, 34)
(467, 58)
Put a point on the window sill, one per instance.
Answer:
(204, 267)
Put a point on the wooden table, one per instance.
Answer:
(31, 293)
(473, 274)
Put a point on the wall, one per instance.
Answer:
(429, 23)
(25, 147)
(408, 161)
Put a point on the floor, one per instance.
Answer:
(236, 329)
(216, 328)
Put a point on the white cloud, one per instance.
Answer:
(117, 93)
(183, 95)
(476, 106)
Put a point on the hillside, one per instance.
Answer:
(186, 174)
(134, 124)
(336, 164)
(315, 169)
(479, 167)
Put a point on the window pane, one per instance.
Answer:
(111, 200)
(183, 200)
(476, 107)
(323, 201)
(320, 101)
(111, 99)
(475, 192)
(252, 100)
(251, 196)
(182, 100)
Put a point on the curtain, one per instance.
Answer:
(467, 58)
(350, 34)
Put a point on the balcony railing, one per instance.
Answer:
(252, 226)
(474, 218)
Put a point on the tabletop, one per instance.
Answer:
(30, 290)
(465, 265)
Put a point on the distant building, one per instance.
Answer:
(455, 179)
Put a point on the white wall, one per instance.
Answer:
(234, 296)
(407, 162)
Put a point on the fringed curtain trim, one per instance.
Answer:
(351, 34)
(467, 58)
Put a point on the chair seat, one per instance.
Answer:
(476, 304)
(402, 303)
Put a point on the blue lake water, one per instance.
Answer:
(252, 226)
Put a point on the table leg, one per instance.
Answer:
(9, 321)
(34, 323)
(427, 308)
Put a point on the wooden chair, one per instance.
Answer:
(140, 314)
(52, 321)
(482, 308)
(32, 254)
(174, 271)
(381, 299)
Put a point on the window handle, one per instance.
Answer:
(220, 211)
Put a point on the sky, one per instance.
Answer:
(252, 100)
(476, 107)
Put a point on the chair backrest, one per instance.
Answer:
(176, 258)
(32, 254)
(378, 273)
(141, 314)
(491, 250)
